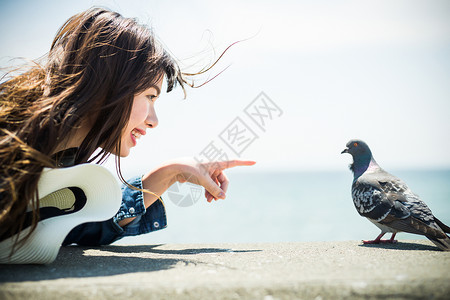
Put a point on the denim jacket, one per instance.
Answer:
(103, 233)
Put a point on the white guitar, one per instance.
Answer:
(100, 200)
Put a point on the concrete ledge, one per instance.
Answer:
(313, 270)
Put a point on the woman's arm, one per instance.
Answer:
(209, 175)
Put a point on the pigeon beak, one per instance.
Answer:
(344, 151)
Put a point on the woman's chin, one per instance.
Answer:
(123, 153)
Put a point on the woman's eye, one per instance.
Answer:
(152, 97)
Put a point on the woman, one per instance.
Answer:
(95, 91)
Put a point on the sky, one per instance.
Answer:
(313, 73)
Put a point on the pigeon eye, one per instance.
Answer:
(355, 144)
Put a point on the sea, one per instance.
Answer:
(284, 206)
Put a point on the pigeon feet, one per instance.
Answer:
(378, 240)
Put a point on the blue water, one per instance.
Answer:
(289, 206)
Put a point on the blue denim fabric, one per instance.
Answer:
(103, 233)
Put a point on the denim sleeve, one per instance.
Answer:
(103, 233)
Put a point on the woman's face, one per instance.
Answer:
(142, 116)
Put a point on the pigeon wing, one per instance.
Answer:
(409, 213)
(372, 202)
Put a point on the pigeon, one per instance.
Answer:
(388, 202)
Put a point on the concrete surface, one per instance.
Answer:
(313, 270)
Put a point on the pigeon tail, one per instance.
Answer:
(443, 244)
(444, 227)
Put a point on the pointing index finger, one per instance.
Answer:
(234, 163)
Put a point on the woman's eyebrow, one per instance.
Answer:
(158, 90)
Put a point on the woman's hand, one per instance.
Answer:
(210, 175)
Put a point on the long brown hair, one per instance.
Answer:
(97, 62)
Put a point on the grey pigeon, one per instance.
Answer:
(387, 201)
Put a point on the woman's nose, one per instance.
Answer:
(152, 120)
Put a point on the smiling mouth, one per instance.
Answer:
(136, 134)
